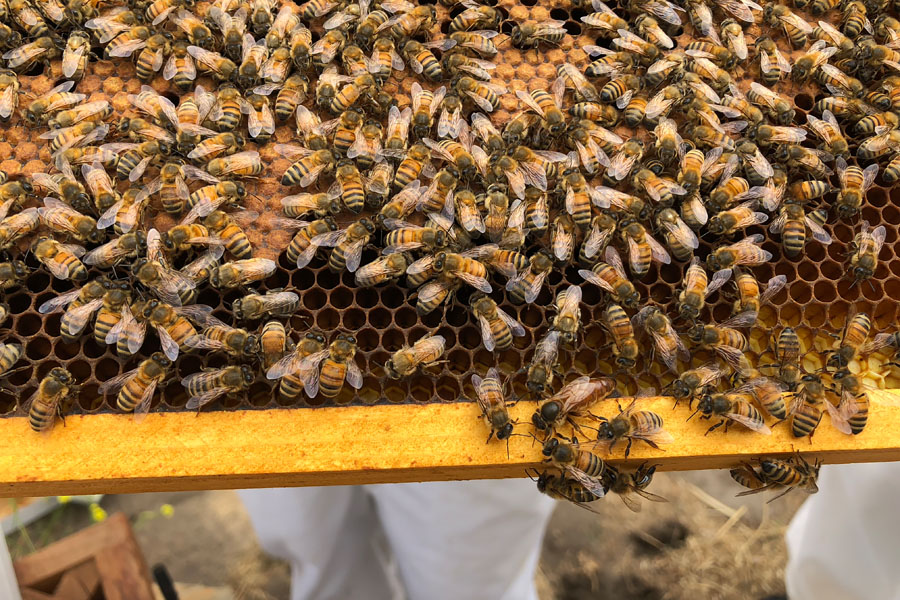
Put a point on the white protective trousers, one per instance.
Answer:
(844, 542)
(472, 540)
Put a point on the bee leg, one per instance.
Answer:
(628, 447)
(490, 435)
(714, 427)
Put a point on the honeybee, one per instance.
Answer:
(485, 95)
(424, 353)
(382, 270)
(180, 68)
(220, 67)
(744, 252)
(573, 400)
(76, 54)
(746, 307)
(665, 341)
(854, 403)
(237, 343)
(806, 407)
(17, 226)
(733, 36)
(56, 388)
(610, 276)
(736, 219)
(241, 272)
(242, 164)
(728, 343)
(43, 49)
(82, 304)
(696, 288)
(9, 96)
(691, 383)
(198, 33)
(135, 158)
(138, 385)
(311, 165)
(642, 248)
(260, 122)
(492, 402)
(90, 111)
(853, 339)
(13, 274)
(155, 273)
(271, 304)
(61, 218)
(731, 408)
(337, 364)
(67, 187)
(525, 286)
(829, 130)
(547, 106)
(580, 464)
(773, 474)
(562, 237)
(604, 19)
(273, 343)
(137, 129)
(57, 99)
(865, 249)
(600, 234)
(9, 356)
(632, 425)
(497, 327)
(792, 223)
(854, 184)
(358, 88)
(62, 260)
(207, 386)
(205, 200)
(795, 28)
(111, 24)
(477, 41)
(409, 24)
(624, 160)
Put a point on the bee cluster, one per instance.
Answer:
(460, 230)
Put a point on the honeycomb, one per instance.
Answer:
(816, 299)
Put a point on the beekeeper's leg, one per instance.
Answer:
(844, 542)
(470, 539)
(326, 534)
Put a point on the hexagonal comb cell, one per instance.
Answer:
(817, 297)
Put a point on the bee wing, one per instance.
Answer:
(126, 49)
(621, 165)
(528, 101)
(739, 46)
(354, 254)
(111, 385)
(204, 398)
(53, 304)
(818, 233)
(718, 280)
(658, 105)
(71, 58)
(78, 318)
(134, 334)
(309, 371)
(682, 233)
(476, 281)
(733, 356)
(658, 253)
(841, 414)
(773, 286)
(597, 238)
(143, 406)
(514, 326)
(570, 300)
(738, 9)
(169, 346)
(882, 340)
(757, 426)
(112, 336)
(354, 375)
(743, 319)
(592, 484)
(562, 242)
(869, 174)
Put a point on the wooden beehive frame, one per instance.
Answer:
(109, 453)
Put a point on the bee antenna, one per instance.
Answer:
(692, 415)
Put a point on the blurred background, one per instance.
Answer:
(703, 543)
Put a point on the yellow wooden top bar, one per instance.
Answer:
(374, 444)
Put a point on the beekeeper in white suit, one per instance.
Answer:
(469, 540)
(844, 542)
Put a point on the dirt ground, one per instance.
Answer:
(702, 543)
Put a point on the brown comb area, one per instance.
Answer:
(816, 299)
